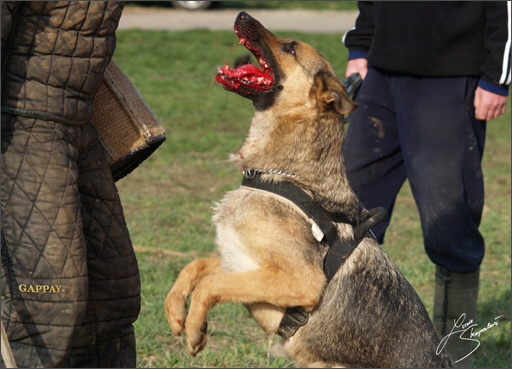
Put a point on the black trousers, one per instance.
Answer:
(423, 130)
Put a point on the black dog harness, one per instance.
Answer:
(323, 229)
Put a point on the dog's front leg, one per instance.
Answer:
(176, 300)
(270, 285)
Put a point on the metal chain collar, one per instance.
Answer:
(251, 173)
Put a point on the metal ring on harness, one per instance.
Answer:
(249, 173)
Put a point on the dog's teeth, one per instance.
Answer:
(263, 63)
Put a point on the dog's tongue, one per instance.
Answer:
(248, 75)
(248, 71)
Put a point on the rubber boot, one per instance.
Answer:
(455, 312)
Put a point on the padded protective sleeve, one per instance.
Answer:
(69, 274)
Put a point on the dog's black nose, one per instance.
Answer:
(242, 16)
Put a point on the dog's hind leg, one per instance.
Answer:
(272, 285)
(176, 300)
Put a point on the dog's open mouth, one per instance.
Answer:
(248, 78)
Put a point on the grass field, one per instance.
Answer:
(168, 200)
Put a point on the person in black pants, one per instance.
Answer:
(434, 73)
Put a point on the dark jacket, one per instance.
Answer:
(436, 39)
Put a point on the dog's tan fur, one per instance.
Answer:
(269, 259)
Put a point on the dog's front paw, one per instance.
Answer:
(196, 338)
(176, 311)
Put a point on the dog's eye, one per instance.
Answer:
(289, 47)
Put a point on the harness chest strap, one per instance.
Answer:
(323, 229)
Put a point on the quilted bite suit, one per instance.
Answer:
(69, 279)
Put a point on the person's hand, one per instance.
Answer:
(489, 105)
(357, 66)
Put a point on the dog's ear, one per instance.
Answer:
(330, 94)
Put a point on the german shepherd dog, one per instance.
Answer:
(365, 314)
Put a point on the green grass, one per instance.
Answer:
(168, 199)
